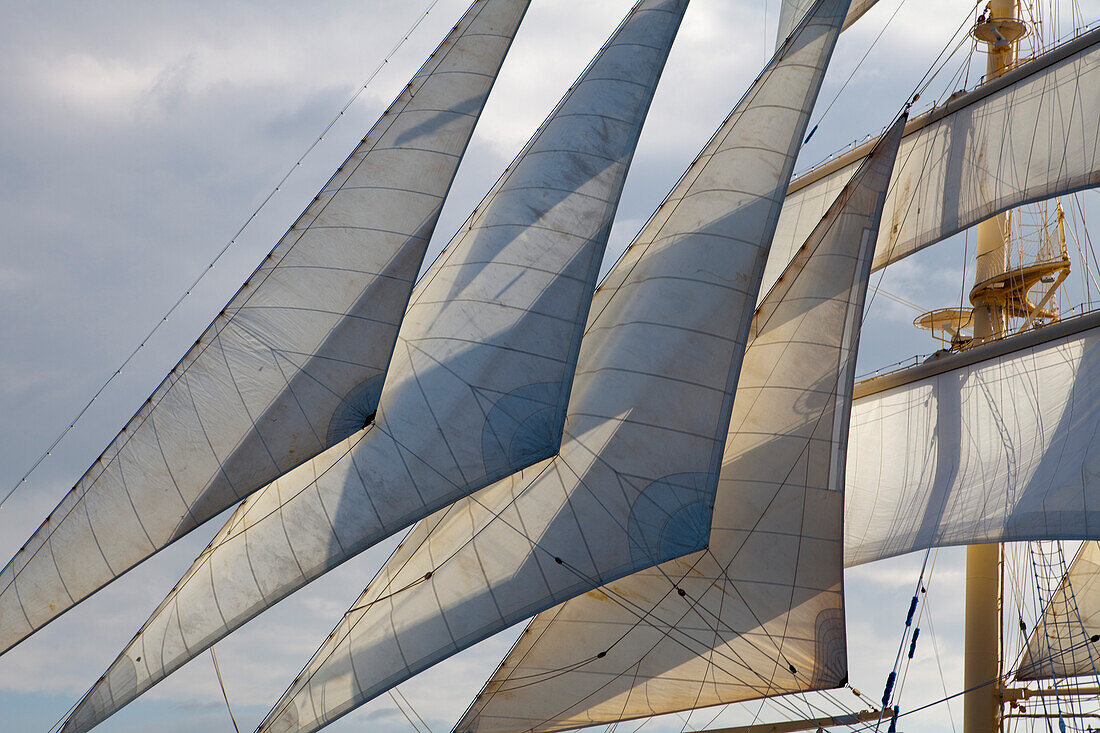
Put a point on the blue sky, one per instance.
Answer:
(135, 139)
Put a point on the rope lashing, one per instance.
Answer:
(889, 691)
(913, 642)
(912, 610)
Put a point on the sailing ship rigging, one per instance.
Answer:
(340, 404)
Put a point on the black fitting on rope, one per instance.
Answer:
(1094, 638)
(681, 592)
(559, 561)
(913, 642)
(889, 689)
(912, 610)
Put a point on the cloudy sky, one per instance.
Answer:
(136, 139)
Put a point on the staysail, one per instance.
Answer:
(1061, 644)
(997, 443)
(478, 383)
(633, 483)
(293, 364)
(1030, 135)
(760, 611)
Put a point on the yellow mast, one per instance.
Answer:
(981, 663)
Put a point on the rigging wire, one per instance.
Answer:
(899, 299)
(1000, 678)
(888, 692)
(397, 704)
(933, 70)
(408, 702)
(221, 684)
(218, 257)
(939, 662)
(391, 692)
(855, 69)
(923, 593)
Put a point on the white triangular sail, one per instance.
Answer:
(997, 443)
(760, 611)
(1030, 135)
(294, 363)
(792, 11)
(1061, 643)
(479, 380)
(633, 483)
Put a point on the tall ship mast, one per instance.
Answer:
(660, 464)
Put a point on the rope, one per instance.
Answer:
(396, 703)
(939, 663)
(225, 696)
(409, 704)
(411, 708)
(218, 257)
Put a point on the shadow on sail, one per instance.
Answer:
(634, 479)
(1021, 469)
(760, 611)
